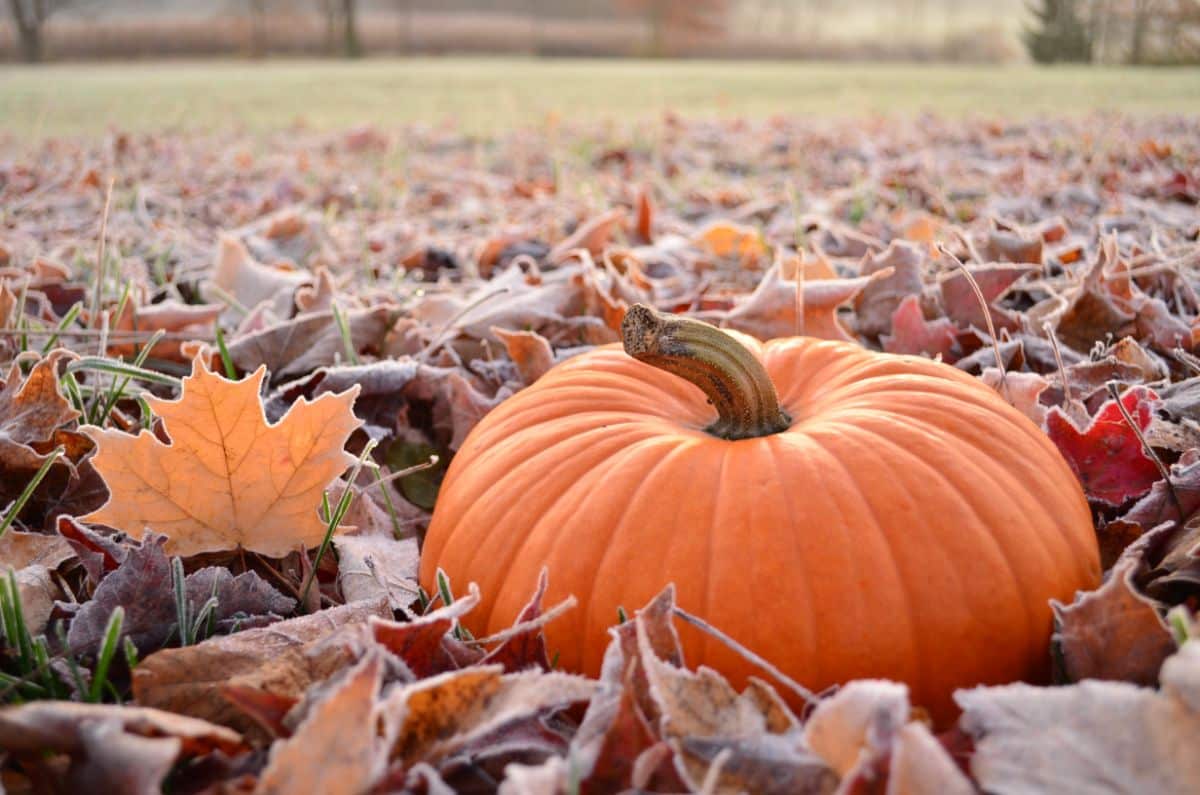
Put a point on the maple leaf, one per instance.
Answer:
(227, 479)
(913, 334)
(1107, 455)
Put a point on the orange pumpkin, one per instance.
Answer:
(884, 516)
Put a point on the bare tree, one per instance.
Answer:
(258, 27)
(351, 44)
(29, 17)
(666, 18)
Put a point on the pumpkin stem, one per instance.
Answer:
(734, 380)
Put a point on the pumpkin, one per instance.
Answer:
(842, 513)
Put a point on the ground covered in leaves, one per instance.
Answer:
(219, 350)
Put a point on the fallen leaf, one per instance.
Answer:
(530, 352)
(1090, 737)
(703, 718)
(771, 310)
(876, 307)
(371, 567)
(294, 347)
(962, 304)
(343, 727)
(57, 725)
(728, 240)
(441, 715)
(173, 317)
(913, 334)
(1114, 616)
(1107, 455)
(142, 586)
(31, 409)
(227, 479)
(592, 236)
(239, 275)
(860, 719)
(282, 659)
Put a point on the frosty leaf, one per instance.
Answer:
(1107, 455)
(913, 334)
(1114, 616)
(227, 479)
(283, 659)
(370, 567)
(1090, 737)
(343, 725)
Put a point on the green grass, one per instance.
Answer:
(487, 95)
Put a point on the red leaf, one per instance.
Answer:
(1107, 456)
(912, 333)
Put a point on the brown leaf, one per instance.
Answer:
(31, 408)
(294, 347)
(592, 235)
(530, 352)
(374, 567)
(1089, 737)
(422, 643)
(237, 274)
(337, 749)
(169, 316)
(227, 479)
(771, 311)
(703, 717)
(282, 659)
(1090, 630)
(913, 334)
(613, 732)
(962, 304)
(18, 550)
(442, 714)
(860, 719)
(877, 305)
(143, 588)
(57, 725)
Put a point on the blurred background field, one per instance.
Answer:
(490, 65)
(485, 95)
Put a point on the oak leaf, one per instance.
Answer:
(227, 479)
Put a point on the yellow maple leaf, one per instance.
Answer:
(227, 479)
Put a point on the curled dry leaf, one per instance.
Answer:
(913, 334)
(227, 479)
(343, 726)
(56, 725)
(239, 275)
(1090, 737)
(703, 718)
(373, 567)
(32, 557)
(1114, 616)
(773, 309)
(530, 352)
(293, 347)
(443, 714)
(32, 409)
(283, 659)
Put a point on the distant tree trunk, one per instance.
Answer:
(29, 18)
(351, 45)
(258, 28)
(657, 17)
(1137, 31)
(329, 13)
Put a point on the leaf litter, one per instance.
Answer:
(219, 446)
